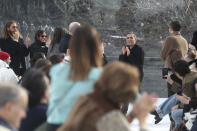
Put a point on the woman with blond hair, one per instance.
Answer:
(69, 81)
(100, 110)
(12, 43)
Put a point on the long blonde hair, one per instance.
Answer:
(5, 33)
(85, 52)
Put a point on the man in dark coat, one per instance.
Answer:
(13, 44)
(133, 54)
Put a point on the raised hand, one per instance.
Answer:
(124, 50)
(48, 40)
(128, 51)
(27, 40)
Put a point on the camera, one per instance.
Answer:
(164, 73)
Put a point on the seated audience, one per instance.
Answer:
(37, 85)
(69, 81)
(188, 77)
(100, 110)
(6, 73)
(13, 104)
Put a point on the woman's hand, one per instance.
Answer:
(27, 40)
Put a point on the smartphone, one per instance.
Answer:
(164, 73)
(179, 91)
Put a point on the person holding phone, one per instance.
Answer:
(13, 43)
(133, 54)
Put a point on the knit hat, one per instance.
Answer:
(4, 55)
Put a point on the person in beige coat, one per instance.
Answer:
(174, 48)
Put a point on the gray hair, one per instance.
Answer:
(73, 26)
(10, 93)
(133, 35)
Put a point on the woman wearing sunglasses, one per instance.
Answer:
(39, 44)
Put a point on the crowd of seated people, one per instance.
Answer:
(70, 85)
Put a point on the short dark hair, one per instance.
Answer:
(182, 67)
(34, 82)
(175, 25)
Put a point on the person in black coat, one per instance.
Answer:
(40, 43)
(194, 39)
(64, 44)
(133, 54)
(12, 43)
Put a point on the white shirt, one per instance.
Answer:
(6, 73)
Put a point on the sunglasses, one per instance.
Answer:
(44, 36)
(14, 27)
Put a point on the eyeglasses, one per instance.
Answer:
(44, 36)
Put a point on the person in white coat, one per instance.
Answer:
(6, 73)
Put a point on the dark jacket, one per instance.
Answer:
(38, 47)
(135, 58)
(64, 44)
(18, 51)
(35, 117)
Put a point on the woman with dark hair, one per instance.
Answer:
(194, 39)
(57, 37)
(39, 44)
(37, 85)
(69, 81)
(12, 43)
(100, 110)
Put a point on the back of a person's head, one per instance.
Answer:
(73, 26)
(84, 51)
(118, 82)
(10, 93)
(36, 84)
(182, 67)
(36, 56)
(44, 65)
(175, 25)
(56, 58)
(41, 62)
